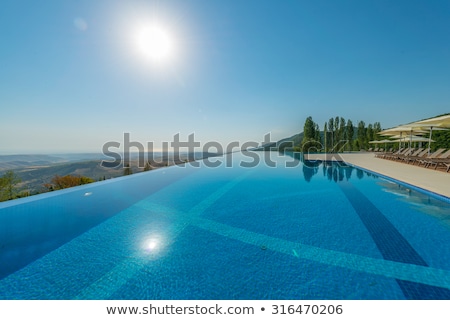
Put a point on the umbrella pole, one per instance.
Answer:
(410, 139)
(429, 140)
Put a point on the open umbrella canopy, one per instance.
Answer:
(436, 123)
(423, 127)
(408, 131)
(404, 129)
(413, 139)
(385, 141)
(380, 141)
(405, 136)
(440, 122)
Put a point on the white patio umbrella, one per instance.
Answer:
(436, 123)
(402, 131)
(409, 137)
(405, 136)
(385, 141)
(414, 139)
(441, 121)
(380, 141)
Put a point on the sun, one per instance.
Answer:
(154, 42)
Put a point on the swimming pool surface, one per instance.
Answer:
(313, 231)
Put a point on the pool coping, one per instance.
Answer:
(405, 184)
(421, 179)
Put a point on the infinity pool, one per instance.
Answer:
(310, 231)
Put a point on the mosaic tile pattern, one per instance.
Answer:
(392, 245)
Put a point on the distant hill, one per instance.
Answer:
(283, 143)
(294, 140)
(34, 177)
(16, 161)
(11, 162)
(37, 170)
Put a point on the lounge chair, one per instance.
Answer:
(416, 156)
(388, 156)
(430, 157)
(385, 154)
(405, 152)
(412, 155)
(443, 158)
(444, 163)
(448, 166)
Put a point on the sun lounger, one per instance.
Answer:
(402, 155)
(443, 158)
(385, 154)
(448, 166)
(413, 158)
(430, 157)
(405, 152)
(389, 155)
(444, 163)
(412, 155)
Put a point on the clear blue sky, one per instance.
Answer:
(72, 78)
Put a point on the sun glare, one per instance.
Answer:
(154, 43)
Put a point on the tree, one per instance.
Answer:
(317, 133)
(331, 128)
(336, 131)
(369, 133)
(376, 127)
(8, 183)
(339, 134)
(2, 189)
(342, 129)
(311, 136)
(361, 135)
(442, 139)
(309, 131)
(127, 170)
(349, 134)
(63, 182)
(85, 180)
(147, 166)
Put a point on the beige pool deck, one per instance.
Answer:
(428, 179)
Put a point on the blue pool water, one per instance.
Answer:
(311, 231)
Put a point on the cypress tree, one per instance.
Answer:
(331, 128)
(350, 133)
(361, 134)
